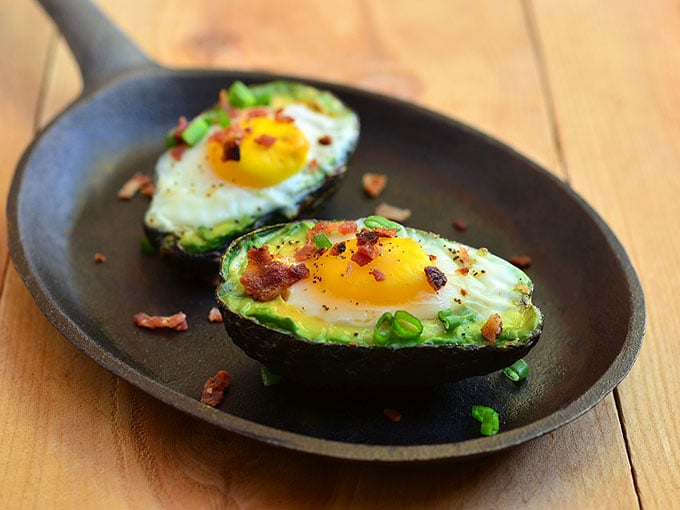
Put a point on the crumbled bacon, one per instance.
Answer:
(367, 247)
(465, 258)
(463, 270)
(265, 140)
(338, 248)
(313, 165)
(377, 274)
(463, 292)
(182, 124)
(147, 189)
(133, 185)
(385, 232)
(258, 111)
(325, 140)
(305, 253)
(265, 278)
(521, 261)
(392, 414)
(214, 388)
(99, 258)
(214, 315)
(280, 117)
(435, 277)
(347, 227)
(459, 224)
(176, 321)
(373, 184)
(230, 139)
(367, 237)
(178, 151)
(492, 328)
(392, 212)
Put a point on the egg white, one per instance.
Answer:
(189, 194)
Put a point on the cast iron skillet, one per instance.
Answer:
(63, 208)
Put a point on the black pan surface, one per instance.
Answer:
(63, 208)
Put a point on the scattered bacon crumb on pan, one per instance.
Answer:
(133, 185)
(214, 315)
(214, 388)
(459, 224)
(492, 328)
(176, 321)
(392, 414)
(392, 212)
(521, 261)
(373, 184)
(99, 258)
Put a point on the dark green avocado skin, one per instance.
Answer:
(205, 266)
(340, 367)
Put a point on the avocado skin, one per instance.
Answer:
(205, 266)
(341, 367)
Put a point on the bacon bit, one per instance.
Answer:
(385, 232)
(465, 258)
(147, 189)
(392, 212)
(363, 255)
(367, 237)
(463, 292)
(347, 227)
(182, 124)
(99, 258)
(230, 138)
(177, 321)
(214, 388)
(214, 315)
(224, 99)
(435, 277)
(459, 224)
(524, 289)
(325, 140)
(305, 253)
(392, 414)
(265, 140)
(258, 111)
(492, 328)
(463, 270)
(338, 248)
(280, 117)
(313, 165)
(178, 151)
(265, 278)
(133, 185)
(373, 184)
(367, 247)
(521, 261)
(377, 274)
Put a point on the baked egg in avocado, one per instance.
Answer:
(367, 302)
(262, 154)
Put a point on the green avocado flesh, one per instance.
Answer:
(484, 299)
(197, 210)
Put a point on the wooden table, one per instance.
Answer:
(590, 90)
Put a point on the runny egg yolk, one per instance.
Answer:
(401, 260)
(271, 151)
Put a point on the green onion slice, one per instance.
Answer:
(146, 247)
(489, 419)
(322, 241)
(406, 326)
(170, 139)
(380, 222)
(518, 371)
(196, 130)
(222, 118)
(240, 95)
(383, 328)
(269, 378)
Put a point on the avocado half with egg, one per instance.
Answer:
(371, 304)
(263, 154)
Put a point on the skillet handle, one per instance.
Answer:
(100, 48)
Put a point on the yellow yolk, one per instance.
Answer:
(262, 165)
(402, 261)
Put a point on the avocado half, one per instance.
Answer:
(357, 355)
(194, 247)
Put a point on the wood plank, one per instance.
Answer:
(21, 83)
(97, 440)
(614, 68)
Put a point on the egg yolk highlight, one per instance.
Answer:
(271, 151)
(401, 260)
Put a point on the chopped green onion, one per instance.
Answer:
(196, 130)
(170, 139)
(406, 326)
(518, 371)
(450, 320)
(146, 247)
(241, 96)
(321, 241)
(383, 328)
(269, 378)
(380, 222)
(222, 118)
(489, 419)
(262, 96)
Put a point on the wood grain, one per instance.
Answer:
(77, 436)
(617, 96)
